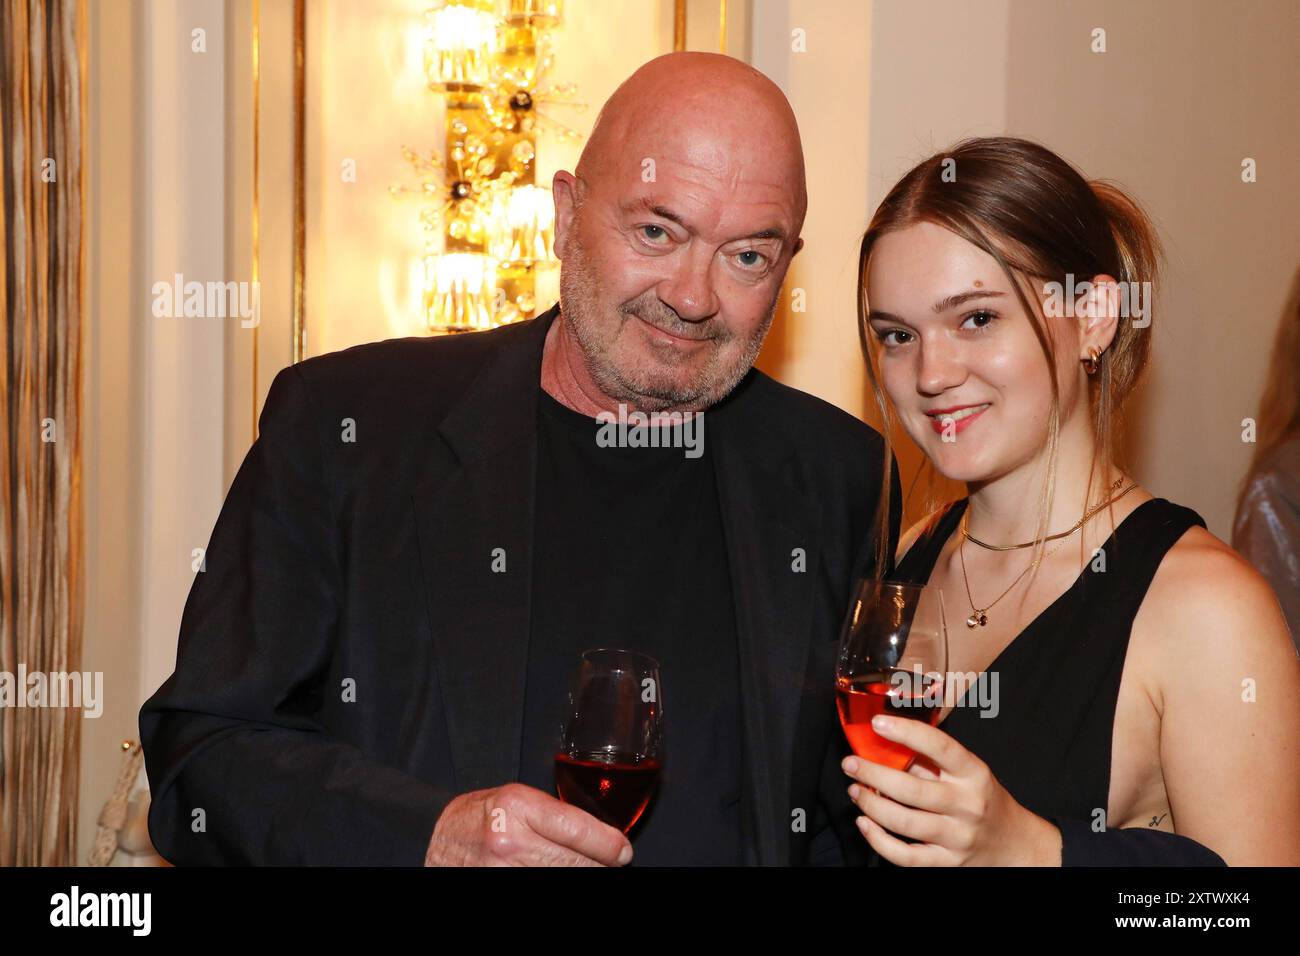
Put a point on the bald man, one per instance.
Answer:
(374, 666)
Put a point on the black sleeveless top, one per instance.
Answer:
(1058, 680)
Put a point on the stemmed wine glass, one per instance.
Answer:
(892, 658)
(611, 748)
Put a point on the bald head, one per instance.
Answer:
(703, 107)
(674, 235)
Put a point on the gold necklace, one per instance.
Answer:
(979, 616)
(1052, 537)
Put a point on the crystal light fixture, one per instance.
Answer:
(488, 228)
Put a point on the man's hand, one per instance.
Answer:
(517, 825)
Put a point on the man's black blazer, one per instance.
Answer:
(349, 660)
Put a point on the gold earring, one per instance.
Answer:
(1090, 363)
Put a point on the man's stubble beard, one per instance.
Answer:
(703, 389)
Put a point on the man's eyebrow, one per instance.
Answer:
(943, 305)
(663, 212)
(770, 233)
(649, 205)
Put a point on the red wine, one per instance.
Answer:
(861, 698)
(614, 788)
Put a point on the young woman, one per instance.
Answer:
(1146, 676)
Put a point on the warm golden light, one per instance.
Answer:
(459, 44)
(459, 292)
(488, 228)
(523, 223)
(542, 13)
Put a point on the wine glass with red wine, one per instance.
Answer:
(611, 748)
(893, 655)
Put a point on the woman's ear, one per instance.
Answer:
(1098, 311)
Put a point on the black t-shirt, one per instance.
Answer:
(629, 553)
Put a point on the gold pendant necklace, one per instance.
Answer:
(979, 616)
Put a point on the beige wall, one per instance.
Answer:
(817, 349)
(114, 425)
(154, 476)
(1183, 94)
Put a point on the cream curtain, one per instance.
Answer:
(42, 117)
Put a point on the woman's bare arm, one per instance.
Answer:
(1229, 696)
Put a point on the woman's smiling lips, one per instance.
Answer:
(960, 416)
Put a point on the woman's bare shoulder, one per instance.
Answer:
(1223, 675)
(1208, 605)
(1201, 569)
